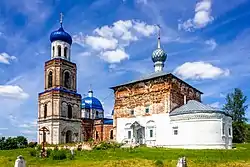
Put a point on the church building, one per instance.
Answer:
(158, 109)
(162, 110)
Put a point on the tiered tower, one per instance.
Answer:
(60, 104)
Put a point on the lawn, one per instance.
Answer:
(139, 157)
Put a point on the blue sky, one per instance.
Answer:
(207, 42)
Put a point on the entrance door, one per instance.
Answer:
(68, 136)
(140, 135)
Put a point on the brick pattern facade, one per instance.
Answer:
(58, 67)
(59, 107)
(158, 95)
(96, 130)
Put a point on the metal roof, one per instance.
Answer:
(153, 76)
(194, 106)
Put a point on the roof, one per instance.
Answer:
(60, 89)
(194, 106)
(108, 121)
(153, 76)
(91, 103)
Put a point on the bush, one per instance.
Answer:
(33, 153)
(106, 145)
(159, 163)
(58, 155)
(39, 147)
(49, 151)
(32, 144)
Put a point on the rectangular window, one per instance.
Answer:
(132, 112)
(129, 134)
(151, 133)
(175, 130)
(229, 132)
(223, 128)
(147, 110)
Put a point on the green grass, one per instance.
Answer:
(143, 157)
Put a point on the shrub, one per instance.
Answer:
(58, 154)
(32, 144)
(33, 153)
(106, 145)
(39, 147)
(48, 152)
(159, 163)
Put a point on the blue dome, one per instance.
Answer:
(60, 34)
(91, 103)
(159, 55)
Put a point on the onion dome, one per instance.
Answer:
(159, 55)
(61, 35)
(91, 102)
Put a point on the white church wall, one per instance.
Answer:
(201, 133)
(158, 123)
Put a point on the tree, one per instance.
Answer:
(236, 108)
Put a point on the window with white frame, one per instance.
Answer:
(147, 110)
(175, 130)
(223, 128)
(132, 112)
(151, 129)
(151, 133)
(230, 132)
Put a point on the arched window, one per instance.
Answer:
(50, 79)
(45, 111)
(59, 50)
(66, 79)
(53, 51)
(69, 111)
(96, 114)
(65, 52)
(111, 134)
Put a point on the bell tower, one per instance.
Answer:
(59, 105)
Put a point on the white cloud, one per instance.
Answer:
(201, 18)
(5, 58)
(216, 105)
(110, 41)
(14, 92)
(200, 70)
(144, 29)
(115, 56)
(211, 43)
(100, 43)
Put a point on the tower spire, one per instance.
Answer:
(159, 37)
(159, 56)
(61, 18)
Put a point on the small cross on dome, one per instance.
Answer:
(61, 18)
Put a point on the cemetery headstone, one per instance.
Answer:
(20, 162)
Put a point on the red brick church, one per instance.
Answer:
(94, 125)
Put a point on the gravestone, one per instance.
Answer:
(182, 162)
(72, 151)
(20, 162)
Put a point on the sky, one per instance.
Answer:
(207, 45)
